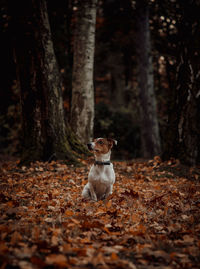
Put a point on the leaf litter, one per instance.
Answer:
(152, 219)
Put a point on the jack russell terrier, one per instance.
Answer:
(101, 176)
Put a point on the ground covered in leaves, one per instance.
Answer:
(152, 219)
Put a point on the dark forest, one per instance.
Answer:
(145, 79)
(78, 70)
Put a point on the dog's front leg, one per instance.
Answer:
(108, 191)
(92, 193)
(86, 191)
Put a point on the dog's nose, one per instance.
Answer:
(89, 145)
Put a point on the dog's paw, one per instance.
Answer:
(93, 197)
(84, 200)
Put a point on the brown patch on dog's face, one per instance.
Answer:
(102, 145)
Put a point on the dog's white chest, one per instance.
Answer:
(101, 178)
(102, 174)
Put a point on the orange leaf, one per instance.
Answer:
(106, 230)
(138, 230)
(57, 259)
(69, 213)
(9, 204)
(55, 192)
(109, 204)
(85, 240)
(80, 251)
(114, 256)
(135, 218)
(100, 211)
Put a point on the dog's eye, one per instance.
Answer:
(100, 142)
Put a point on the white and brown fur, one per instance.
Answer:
(101, 176)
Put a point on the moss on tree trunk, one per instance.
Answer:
(46, 136)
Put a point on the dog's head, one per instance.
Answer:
(101, 145)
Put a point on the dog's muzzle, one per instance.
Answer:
(89, 145)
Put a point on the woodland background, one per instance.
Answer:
(174, 37)
(145, 93)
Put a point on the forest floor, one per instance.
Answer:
(152, 219)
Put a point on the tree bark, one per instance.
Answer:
(150, 137)
(82, 106)
(183, 131)
(45, 135)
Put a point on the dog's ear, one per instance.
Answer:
(112, 141)
(115, 142)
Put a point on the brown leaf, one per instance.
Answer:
(58, 260)
(135, 217)
(15, 238)
(131, 193)
(138, 230)
(3, 248)
(38, 262)
(54, 240)
(151, 210)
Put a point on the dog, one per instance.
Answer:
(101, 176)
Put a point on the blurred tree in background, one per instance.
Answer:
(150, 137)
(174, 30)
(82, 103)
(182, 137)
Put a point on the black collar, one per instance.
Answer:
(102, 163)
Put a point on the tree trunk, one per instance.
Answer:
(184, 117)
(150, 137)
(117, 87)
(82, 106)
(44, 128)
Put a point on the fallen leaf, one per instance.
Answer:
(58, 260)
